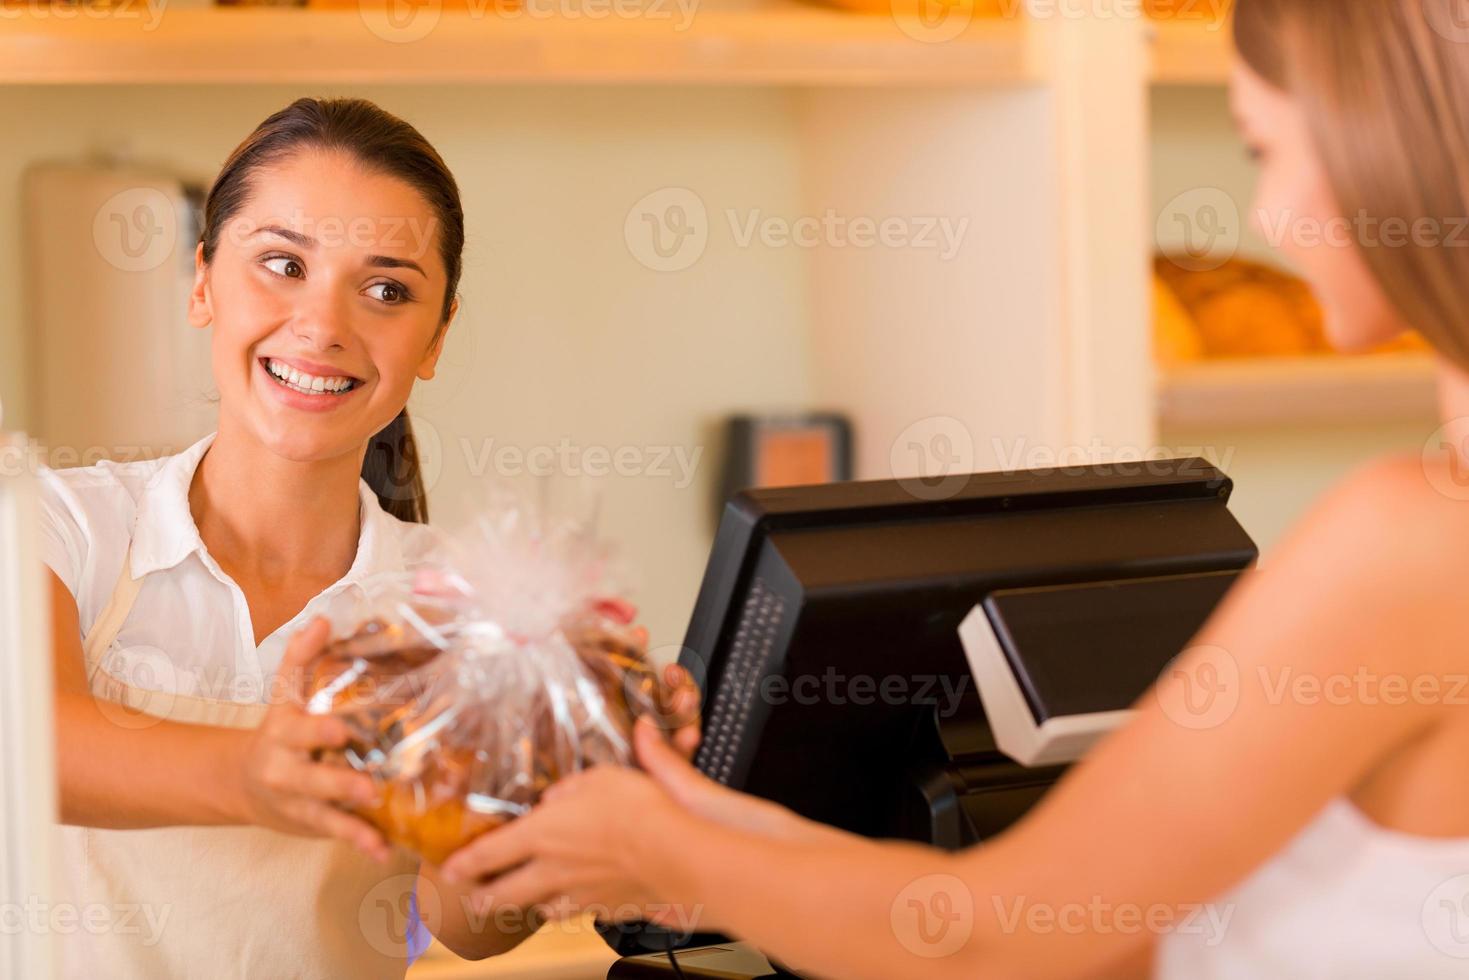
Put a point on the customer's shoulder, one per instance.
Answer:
(1398, 522)
(1393, 496)
(1374, 571)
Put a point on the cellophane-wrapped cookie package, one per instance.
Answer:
(503, 660)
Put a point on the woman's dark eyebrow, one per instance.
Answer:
(376, 261)
(294, 237)
(388, 262)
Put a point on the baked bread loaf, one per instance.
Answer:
(462, 739)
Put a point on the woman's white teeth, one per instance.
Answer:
(308, 384)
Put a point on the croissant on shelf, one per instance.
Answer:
(1241, 309)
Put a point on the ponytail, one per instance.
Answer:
(392, 470)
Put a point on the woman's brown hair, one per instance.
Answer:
(1385, 85)
(385, 144)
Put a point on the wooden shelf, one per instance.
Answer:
(1297, 390)
(1191, 52)
(731, 42)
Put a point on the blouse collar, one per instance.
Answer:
(164, 533)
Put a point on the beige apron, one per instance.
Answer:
(218, 902)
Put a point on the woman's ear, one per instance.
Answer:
(201, 306)
(431, 359)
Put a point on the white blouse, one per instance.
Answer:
(272, 904)
(189, 632)
(1345, 900)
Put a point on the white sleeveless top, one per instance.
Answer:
(1345, 900)
(166, 634)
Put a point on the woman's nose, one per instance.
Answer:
(325, 322)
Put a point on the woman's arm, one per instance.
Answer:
(115, 775)
(124, 770)
(1278, 708)
(468, 929)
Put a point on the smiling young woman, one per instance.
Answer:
(327, 273)
(1304, 830)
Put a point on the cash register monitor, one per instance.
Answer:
(827, 636)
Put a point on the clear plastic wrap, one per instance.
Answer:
(502, 661)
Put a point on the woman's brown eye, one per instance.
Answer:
(283, 266)
(389, 293)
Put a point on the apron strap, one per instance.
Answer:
(151, 703)
(113, 615)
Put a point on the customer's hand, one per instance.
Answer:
(577, 850)
(697, 793)
(279, 784)
(568, 847)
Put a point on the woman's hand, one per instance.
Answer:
(280, 786)
(608, 631)
(680, 702)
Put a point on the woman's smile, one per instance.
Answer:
(306, 385)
